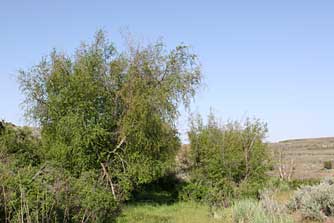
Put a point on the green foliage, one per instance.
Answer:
(328, 165)
(297, 183)
(193, 191)
(48, 194)
(251, 188)
(276, 183)
(34, 190)
(19, 145)
(119, 109)
(230, 160)
(314, 202)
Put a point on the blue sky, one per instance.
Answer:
(270, 59)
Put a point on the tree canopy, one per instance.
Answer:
(111, 114)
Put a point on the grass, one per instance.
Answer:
(186, 212)
(154, 205)
(251, 211)
(180, 212)
(282, 197)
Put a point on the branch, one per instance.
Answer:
(119, 145)
(109, 179)
(39, 172)
(122, 161)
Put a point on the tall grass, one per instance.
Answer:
(251, 211)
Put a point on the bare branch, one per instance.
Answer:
(109, 180)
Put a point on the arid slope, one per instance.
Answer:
(307, 155)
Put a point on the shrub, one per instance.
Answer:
(328, 165)
(250, 188)
(19, 145)
(230, 160)
(297, 183)
(193, 191)
(50, 194)
(314, 202)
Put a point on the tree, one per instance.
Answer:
(112, 112)
(229, 160)
(19, 145)
(286, 165)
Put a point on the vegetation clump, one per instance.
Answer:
(328, 165)
(227, 161)
(314, 202)
(19, 146)
(36, 190)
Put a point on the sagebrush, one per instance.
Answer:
(314, 202)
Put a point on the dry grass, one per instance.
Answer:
(282, 197)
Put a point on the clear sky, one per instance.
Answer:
(269, 59)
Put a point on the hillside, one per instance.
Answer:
(307, 155)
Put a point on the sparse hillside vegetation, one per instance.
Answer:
(309, 157)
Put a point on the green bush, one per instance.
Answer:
(297, 183)
(33, 189)
(250, 188)
(19, 145)
(50, 194)
(193, 191)
(229, 160)
(328, 165)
